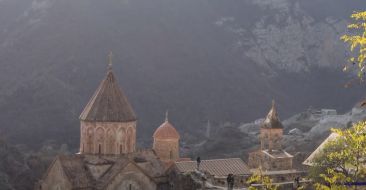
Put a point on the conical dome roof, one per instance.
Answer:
(272, 120)
(108, 104)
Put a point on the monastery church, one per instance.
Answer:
(108, 157)
(109, 160)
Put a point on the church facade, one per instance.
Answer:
(108, 158)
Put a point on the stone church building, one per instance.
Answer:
(108, 158)
(271, 156)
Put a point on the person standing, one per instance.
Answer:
(296, 183)
(230, 182)
(198, 163)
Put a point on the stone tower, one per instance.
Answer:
(166, 141)
(271, 131)
(108, 123)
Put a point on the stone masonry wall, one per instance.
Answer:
(107, 137)
(166, 149)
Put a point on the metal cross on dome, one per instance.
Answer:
(110, 60)
(167, 115)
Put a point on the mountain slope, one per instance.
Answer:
(218, 60)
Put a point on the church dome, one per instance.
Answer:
(108, 104)
(166, 131)
(272, 121)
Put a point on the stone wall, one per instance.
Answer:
(179, 181)
(255, 159)
(239, 181)
(55, 180)
(166, 149)
(131, 178)
(258, 158)
(271, 138)
(270, 163)
(107, 137)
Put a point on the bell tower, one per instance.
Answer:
(108, 123)
(271, 131)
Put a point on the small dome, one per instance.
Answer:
(166, 131)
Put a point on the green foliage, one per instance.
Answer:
(258, 178)
(333, 180)
(342, 160)
(357, 42)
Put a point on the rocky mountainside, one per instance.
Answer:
(209, 59)
(303, 133)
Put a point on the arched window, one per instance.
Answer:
(111, 142)
(89, 140)
(121, 138)
(133, 182)
(100, 140)
(129, 138)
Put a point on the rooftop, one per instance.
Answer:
(96, 171)
(272, 120)
(279, 172)
(309, 160)
(216, 167)
(277, 154)
(166, 130)
(108, 104)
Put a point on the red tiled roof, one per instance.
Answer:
(166, 131)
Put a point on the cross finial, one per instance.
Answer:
(273, 103)
(110, 61)
(167, 115)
